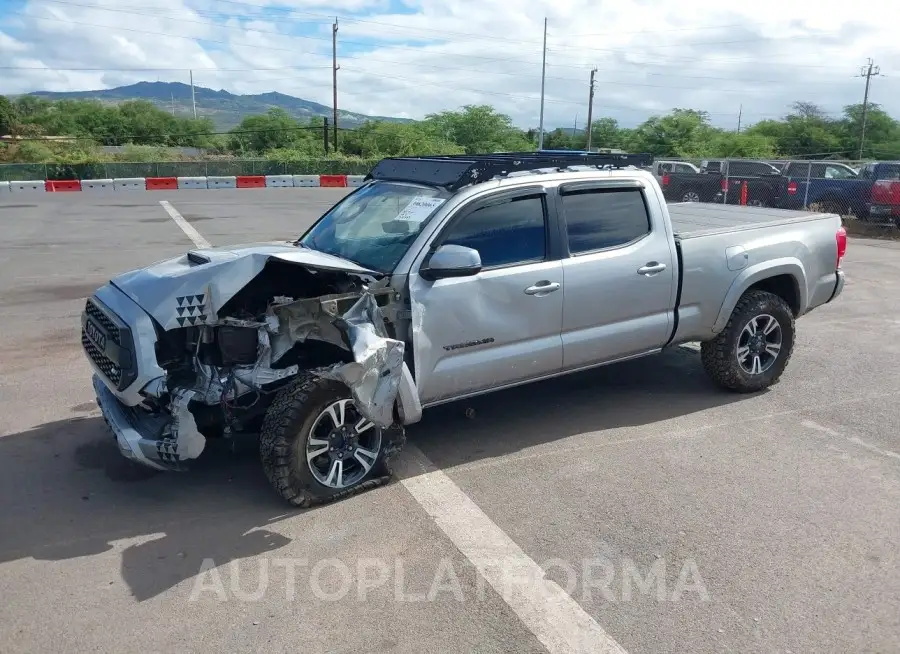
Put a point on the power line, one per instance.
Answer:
(868, 72)
(175, 135)
(492, 38)
(630, 51)
(456, 68)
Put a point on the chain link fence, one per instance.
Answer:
(868, 192)
(864, 192)
(11, 172)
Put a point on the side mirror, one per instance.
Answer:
(451, 261)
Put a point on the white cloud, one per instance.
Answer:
(650, 55)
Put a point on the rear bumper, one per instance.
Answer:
(892, 210)
(838, 285)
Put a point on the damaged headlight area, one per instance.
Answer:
(221, 376)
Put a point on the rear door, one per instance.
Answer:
(501, 326)
(619, 272)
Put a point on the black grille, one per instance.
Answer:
(106, 365)
(94, 312)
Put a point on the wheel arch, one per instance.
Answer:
(785, 278)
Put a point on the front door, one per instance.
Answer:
(502, 325)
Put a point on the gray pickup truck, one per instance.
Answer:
(440, 279)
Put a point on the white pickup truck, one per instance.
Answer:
(439, 279)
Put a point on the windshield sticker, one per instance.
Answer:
(419, 208)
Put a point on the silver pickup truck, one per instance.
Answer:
(439, 279)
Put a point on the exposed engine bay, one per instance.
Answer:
(226, 355)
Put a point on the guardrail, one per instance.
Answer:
(227, 168)
(180, 183)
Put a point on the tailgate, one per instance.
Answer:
(886, 192)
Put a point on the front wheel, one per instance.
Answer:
(753, 350)
(315, 445)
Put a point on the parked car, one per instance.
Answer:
(439, 279)
(667, 167)
(828, 186)
(723, 180)
(884, 198)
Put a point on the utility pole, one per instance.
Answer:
(543, 78)
(867, 71)
(193, 98)
(590, 110)
(334, 70)
(740, 111)
(173, 104)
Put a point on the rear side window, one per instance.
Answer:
(889, 171)
(799, 170)
(604, 218)
(750, 168)
(506, 233)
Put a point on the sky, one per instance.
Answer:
(409, 58)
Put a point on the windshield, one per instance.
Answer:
(374, 226)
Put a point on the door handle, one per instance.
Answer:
(651, 268)
(542, 288)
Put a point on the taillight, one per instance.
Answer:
(881, 192)
(792, 188)
(841, 238)
(724, 185)
(665, 180)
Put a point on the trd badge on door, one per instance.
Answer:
(459, 346)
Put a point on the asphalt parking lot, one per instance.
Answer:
(770, 521)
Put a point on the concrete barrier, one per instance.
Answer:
(279, 181)
(30, 186)
(191, 182)
(333, 181)
(130, 184)
(354, 181)
(221, 182)
(306, 180)
(97, 185)
(251, 181)
(62, 185)
(4, 187)
(162, 183)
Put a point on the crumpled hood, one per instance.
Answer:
(188, 289)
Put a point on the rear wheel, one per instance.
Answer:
(690, 196)
(316, 446)
(753, 350)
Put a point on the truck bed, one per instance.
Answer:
(692, 219)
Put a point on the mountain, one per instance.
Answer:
(224, 108)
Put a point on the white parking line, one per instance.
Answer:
(809, 424)
(186, 227)
(557, 620)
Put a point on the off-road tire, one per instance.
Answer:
(719, 356)
(285, 430)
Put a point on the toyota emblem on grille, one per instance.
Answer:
(97, 336)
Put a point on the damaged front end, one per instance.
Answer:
(208, 363)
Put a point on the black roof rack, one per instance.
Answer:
(457, 170)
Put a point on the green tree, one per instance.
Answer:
(384, 138)
(882, 132)
(9, 117)
(807, 132)
(274, 129)
(478, 129)
(681, 133)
